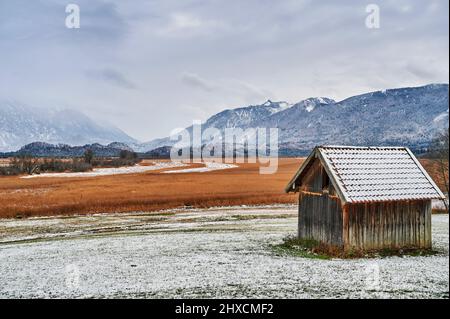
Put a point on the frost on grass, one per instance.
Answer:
(199, 253)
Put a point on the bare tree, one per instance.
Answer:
(88, 156)
(439, 151)
(26, 163)
(129, 155)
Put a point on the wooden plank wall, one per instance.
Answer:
(320, 218)
(368, 226)
(401, 224)
(312, 181)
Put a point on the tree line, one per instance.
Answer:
(27, 164)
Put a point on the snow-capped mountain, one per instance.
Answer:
(21, 125)
(405, 116)
(231, 118)
(245, 116)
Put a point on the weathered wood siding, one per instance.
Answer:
(320, 218)
(313, 179)
(393, 224)
(397, 224)
(320, 211)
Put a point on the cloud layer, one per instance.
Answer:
(150, 66)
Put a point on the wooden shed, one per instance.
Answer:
(364, 198)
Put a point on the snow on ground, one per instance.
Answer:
(219, 252)
(209, 166)
(114, 170)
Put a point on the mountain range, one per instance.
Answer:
(404, 116)
(21, 124)
(41, 149)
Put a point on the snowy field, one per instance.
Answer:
(114, 170)
(209, 166)
(221, 252)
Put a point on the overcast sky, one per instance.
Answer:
(151, 66)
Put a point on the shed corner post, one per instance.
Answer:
(299, 234)
(345, 226)
(428, 225)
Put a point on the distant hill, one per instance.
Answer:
(21, 125)
(40, 149)
(160, 152)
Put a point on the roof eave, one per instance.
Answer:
(370, 201)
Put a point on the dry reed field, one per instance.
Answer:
(145, 191)
(151, 191)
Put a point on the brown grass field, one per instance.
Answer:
(151, 191)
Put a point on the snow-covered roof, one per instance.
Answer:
(366, 174)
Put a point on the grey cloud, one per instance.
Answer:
(42, 22)
(101, 21)
(112, 76)
(238, 52)
(194, 80)
(421, 73)
(252, 93)
(225, 87)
